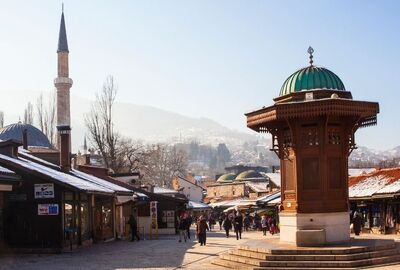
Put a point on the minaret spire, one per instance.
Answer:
(62, 37)
(63, 84)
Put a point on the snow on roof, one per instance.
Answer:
(162, 190)
(5, 171)
(57, 175)
(258, 186)
(269, 197)
(98, 181)
(227, 203)
(275, 177)
(360, 171)
(275, 201)
(384, 181)
(26, 154)
(197, 205)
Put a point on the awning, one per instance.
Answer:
(134, 198)
(197, 206)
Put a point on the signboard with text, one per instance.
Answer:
(43, 191)
(48, 209)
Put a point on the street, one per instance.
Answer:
(165, 253)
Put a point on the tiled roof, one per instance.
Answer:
(384, 181)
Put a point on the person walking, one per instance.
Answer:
(220, 221)
(227, 225)
(246, 222)
(189, 222)
(133, 225)
(357, 223)
(264, 224)
(201, 230)
(238, 225)
(182, 227)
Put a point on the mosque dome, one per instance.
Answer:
(35, 136)
(228, 177)
(311, 78)
(250, 175)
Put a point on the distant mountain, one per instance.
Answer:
(365, 155)
(152, 124)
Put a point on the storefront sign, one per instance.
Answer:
(153, 214)
(48, 209)
(44, 191)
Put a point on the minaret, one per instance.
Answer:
(63, 84)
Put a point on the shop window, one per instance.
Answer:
(85, 219)
(68, 221)
(106, 215)
(168, 217)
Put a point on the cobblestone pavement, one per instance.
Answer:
(165, 253)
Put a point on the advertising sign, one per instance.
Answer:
(48, 209)
(44, 191)
(153, 214)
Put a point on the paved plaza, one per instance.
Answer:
(164, 253)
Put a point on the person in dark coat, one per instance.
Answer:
(238, 225)
(227, 225)
(182, 227)
(189, 221)
(133, 225)
(201, 230)
(357, 223)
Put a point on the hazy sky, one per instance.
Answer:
(215, 59)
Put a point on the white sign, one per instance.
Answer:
(48, 209)
(309, 96)
(44, 191)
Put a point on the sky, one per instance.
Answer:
(214, 59)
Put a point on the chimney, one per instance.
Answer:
(25, 139)
(64, 133)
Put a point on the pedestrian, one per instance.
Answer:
(182, 227)
(189, 222)
(357, 223)
(227, 225)
(246, 222)
(264, 224)
(272, 225)
(201, 230)
(211, 222)
(220, 221)
(238, 225)
(133, 225)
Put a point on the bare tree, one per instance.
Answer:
(161, 163)
(129, 155)
(46, 116)
(28, 114)
(1, 119)
(100, 124)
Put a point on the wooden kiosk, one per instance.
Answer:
(312, 123)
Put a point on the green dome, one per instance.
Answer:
(311, 78)
(249, 175)
(228, 177)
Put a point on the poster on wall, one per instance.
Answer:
(48, 209)
(43, 191)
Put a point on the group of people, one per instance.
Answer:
(185, 221)
(237, 222)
